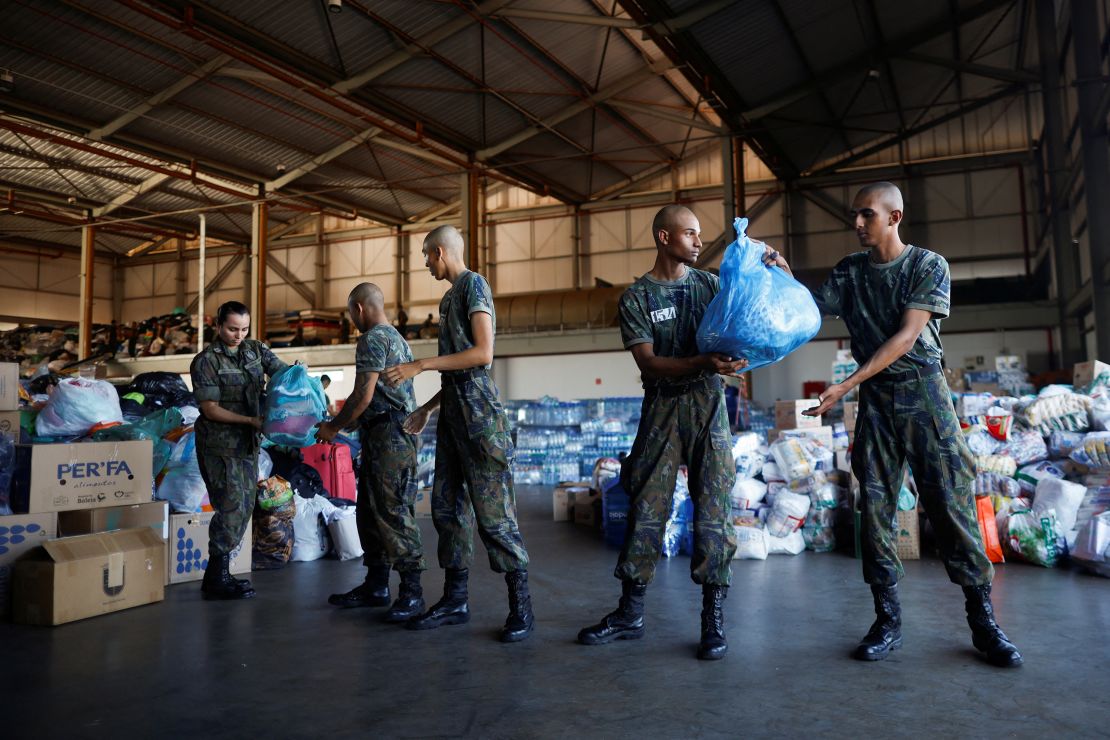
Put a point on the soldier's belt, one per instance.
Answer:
(391, 415)
(464, 376)
(669, 390)
(918, 374)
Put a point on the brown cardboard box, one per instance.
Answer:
(562, 500)
(851, 408)
(187, 548)
(587, 508)
(9, 424)
(19, 534)
(907, 535)
(90, 475)
(955, 378)
(1085, 372)
(155, 515)
(824, 435)
(993, 388)
(78, 577)
(423, 505)
(788, 414)
(9, 386)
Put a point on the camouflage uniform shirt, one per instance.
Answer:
(234, 379)
(871, 299)
(666, 315)
(469, 295)
(381, 347)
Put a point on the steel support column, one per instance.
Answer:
(1064, 254)
(258, 271)
(1085, 31)
(468, 185)
(182, 275)
(728, 180)
(84, 324)
(321, 262)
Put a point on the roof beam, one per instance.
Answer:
(699, 12)
(149, 246)
(893, 48)
(399, 57)
(827, 204)
(322, 159)
(158, 98)
(654, 112)
(980, 70)
(580, 18)
(572, 110)
(292, 280)
(123, 199)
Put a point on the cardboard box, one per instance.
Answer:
(844, 460)
(9, 424)
(423, 505)
(788, 414)
(587, 508)
(87, 475)
(993, 388)
(19, 535)
(155, 515)
(907, 531)
(78, 577)
(187, 548)
(9, 386)
(824, 435)
(956, 379)
(851, 410)
(1006, 363)
(562, 500)
(1085, 372)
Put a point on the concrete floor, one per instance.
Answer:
(288, 665)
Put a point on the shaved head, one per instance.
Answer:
(447, 237)
(367, 294)
(667, 218)
(887, 194)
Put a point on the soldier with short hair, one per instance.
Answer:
(229, 377)
(473, 477)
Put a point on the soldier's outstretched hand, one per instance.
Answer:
(722, 364)
(828, 399)
(416, 421)
(400, 373)
(326, 431)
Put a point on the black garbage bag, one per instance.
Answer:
(157, 390)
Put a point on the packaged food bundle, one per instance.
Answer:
(1060, 497)
(792, 544)
(771, 473)
(748, 493)
(787, 513)
(999, 421)
(1094, 452)
(973, 404)
(811, 482)
(1092, 547)
(993, 484)
(748, 464)
(796, 457)
(751, 542)
(1100, 413)
(1028, 476)
(824, 497)
(980, 441)
(1034, 537)
(819, 539)
(745, 442)
(1057, 409)
(1026, 447)
(1001, 464)
(1061, 444)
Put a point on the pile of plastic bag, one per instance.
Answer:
(76, 406)
(761, 314)
(295, 403)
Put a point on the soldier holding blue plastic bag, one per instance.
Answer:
(892, 297)
(228, 380)
(683, 421)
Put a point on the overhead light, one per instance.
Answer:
(335, 6)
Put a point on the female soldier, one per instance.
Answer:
(228, 383)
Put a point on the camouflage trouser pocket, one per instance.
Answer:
(498, 446)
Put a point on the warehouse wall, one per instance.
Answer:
(47, 286)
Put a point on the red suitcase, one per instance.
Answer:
(333, 463)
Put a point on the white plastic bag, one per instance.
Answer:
(751, 543)
(310, 539)
(1061, 496)
(1029, 476)
(1100, 414)
(748, 493)
(77, 405)
(182, 485)
(265, 465)
(787, 513)
(1092, 546)
(343, 529)
(792, 544)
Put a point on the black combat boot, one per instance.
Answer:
(374, 591)
(987, 637)
(713, 645)
(626, 623)
(519, 623)
(886, 633)
(410, 598)
(218, 583)
(451, 609)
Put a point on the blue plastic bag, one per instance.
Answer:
(295, 403)
(761, 314)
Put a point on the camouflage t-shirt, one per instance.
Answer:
(382, 347)
(871, 299)
(470, 294)
(666, 315)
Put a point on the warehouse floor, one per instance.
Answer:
(288, 665)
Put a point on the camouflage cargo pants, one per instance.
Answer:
(386, 494)
(690, 428)
(913, 421)
(474, 479)
(232, 484)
